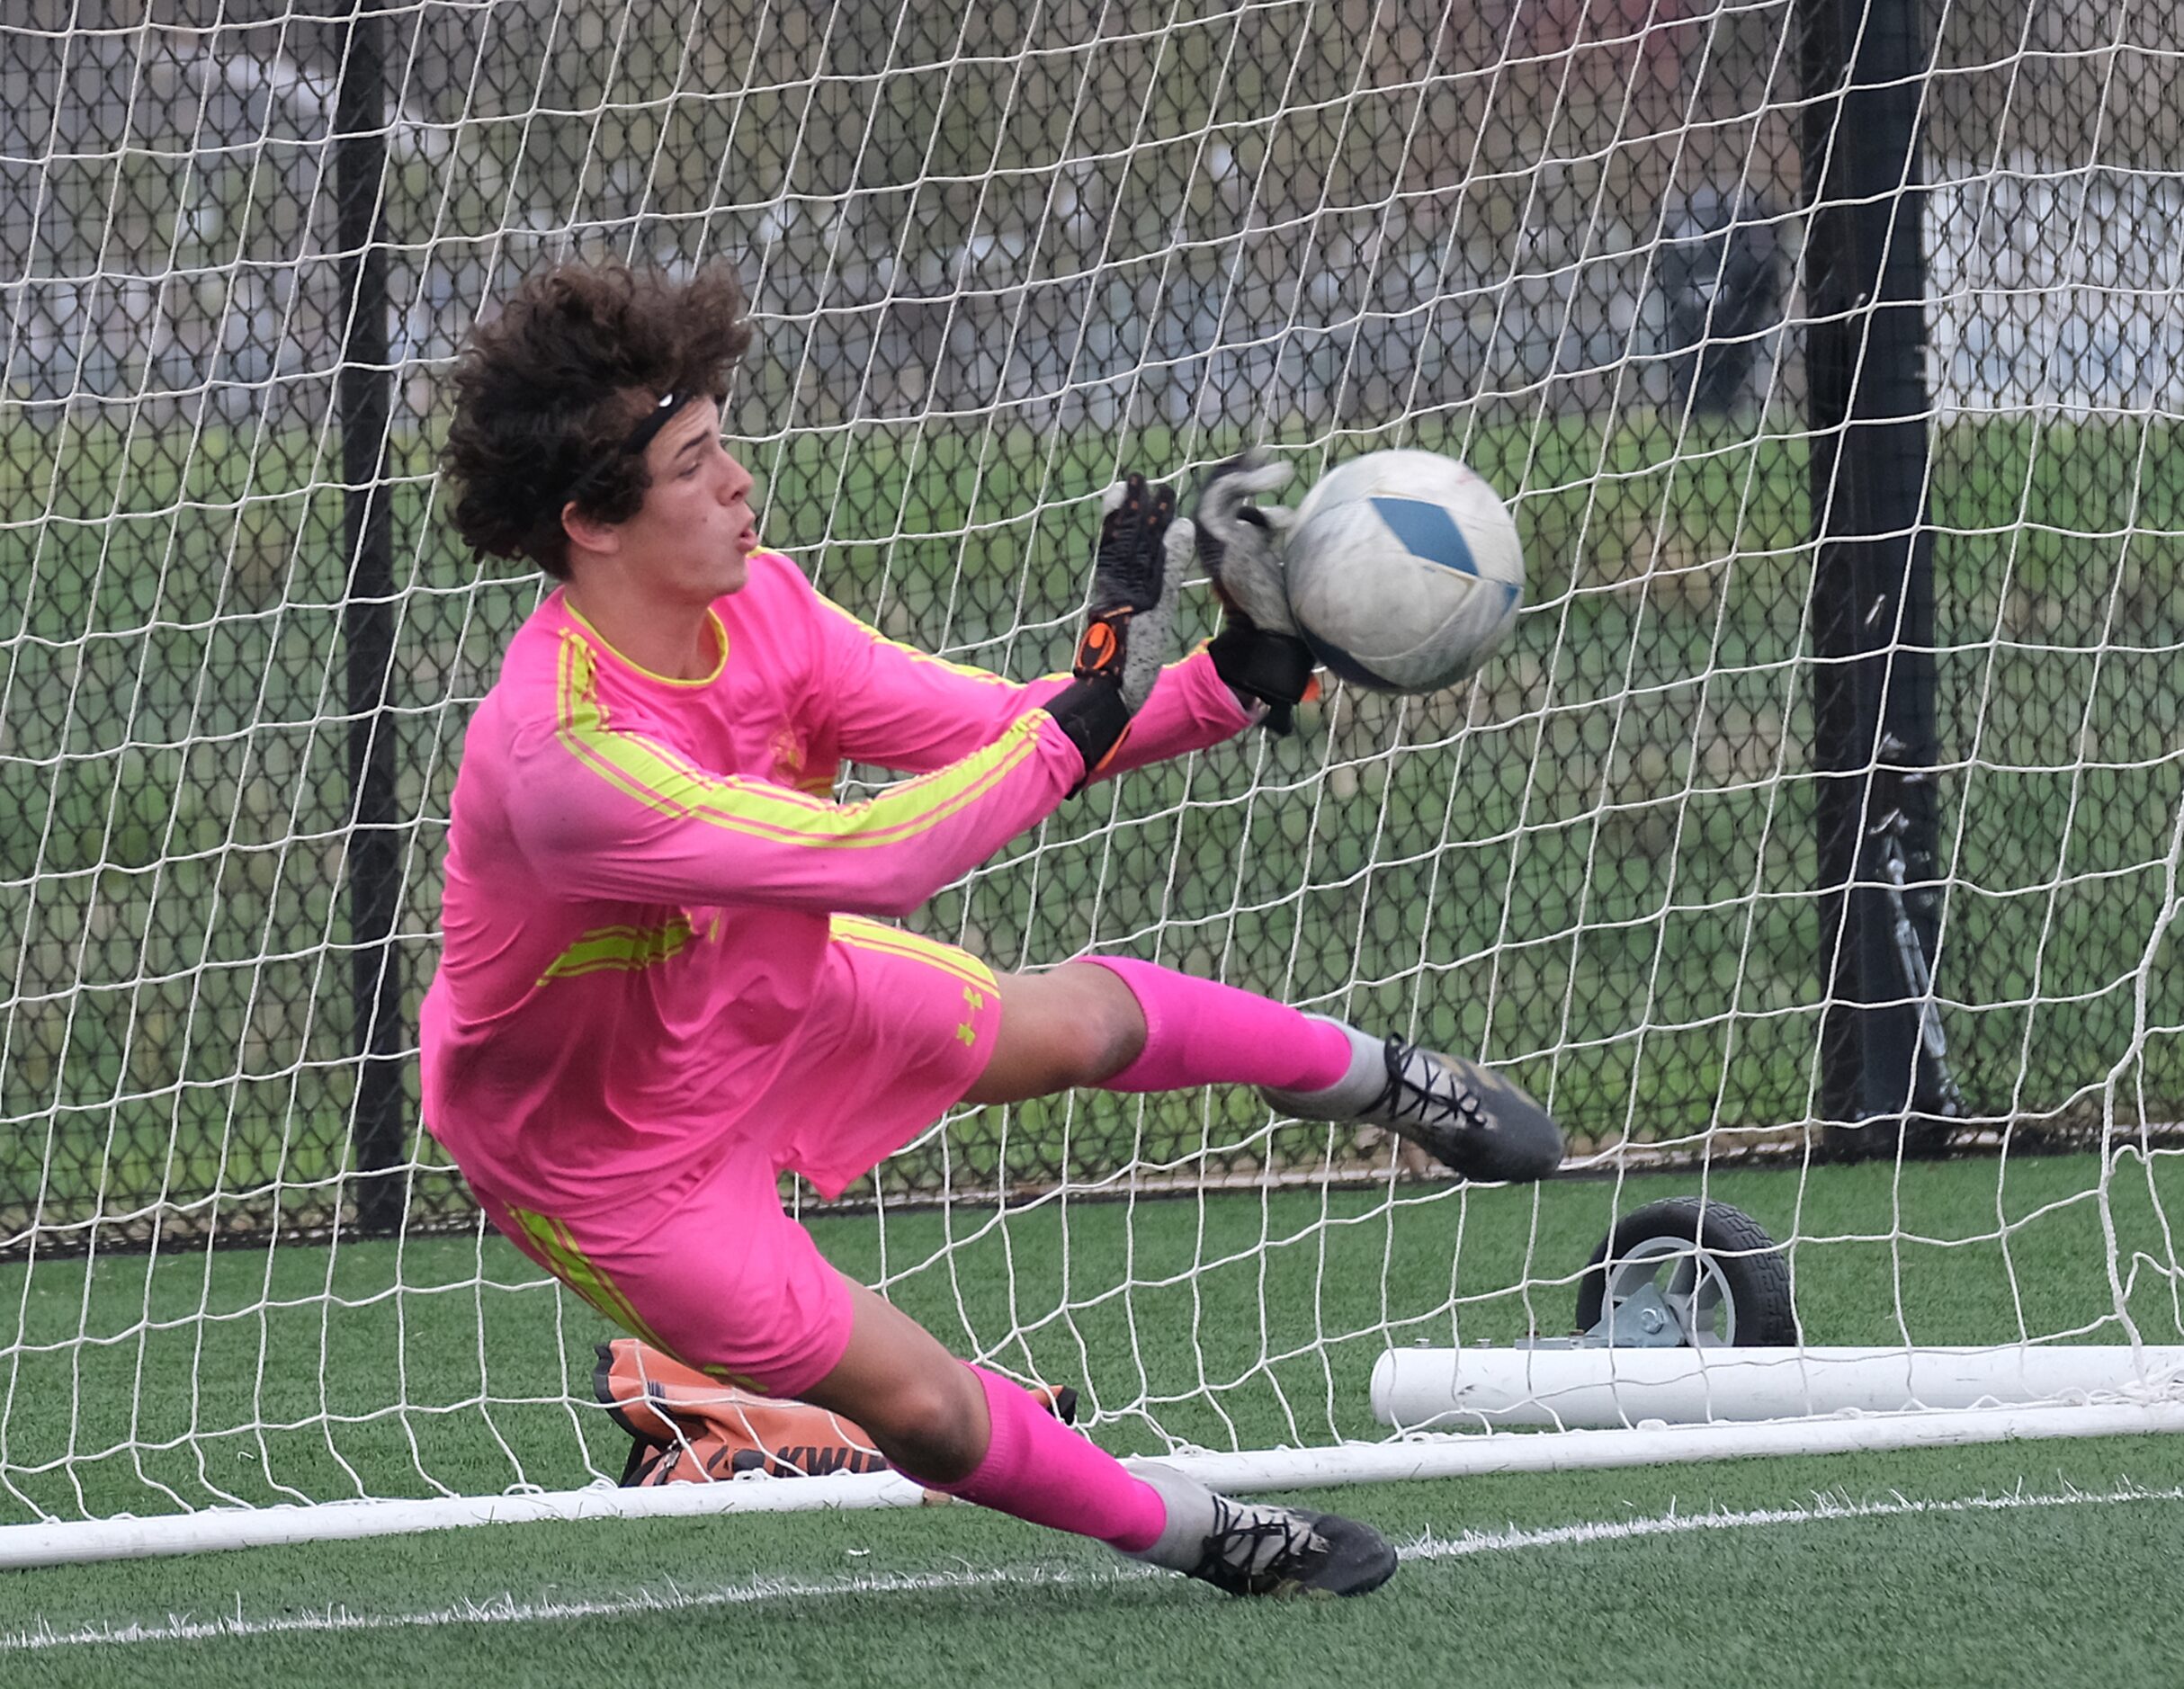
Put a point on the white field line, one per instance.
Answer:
(507, 1610)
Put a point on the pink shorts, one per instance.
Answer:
(704, 1264)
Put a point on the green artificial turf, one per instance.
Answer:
(1243, 1320)
(952, 1595)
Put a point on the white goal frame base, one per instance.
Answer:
(1417, 1457)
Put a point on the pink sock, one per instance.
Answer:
(1199, 1032)
(1037, 1469)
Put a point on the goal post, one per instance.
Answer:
(1864, 69)
(1812, 847)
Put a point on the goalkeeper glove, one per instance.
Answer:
(1258, 651)
(1130, 627)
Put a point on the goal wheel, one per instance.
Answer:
(1691, 1274)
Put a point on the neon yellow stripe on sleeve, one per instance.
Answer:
(653, 775)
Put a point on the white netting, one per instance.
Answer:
(995, 252)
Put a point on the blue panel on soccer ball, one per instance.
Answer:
(1427, 530)
(1330, 655)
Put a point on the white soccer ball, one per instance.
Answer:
(1404, 571)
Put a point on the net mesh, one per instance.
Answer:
(996, 253)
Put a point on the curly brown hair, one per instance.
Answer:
(548, 392)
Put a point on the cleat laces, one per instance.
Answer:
(1255, 1550)
(1413, 1099)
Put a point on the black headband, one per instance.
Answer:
(633, 445)
(650, 424)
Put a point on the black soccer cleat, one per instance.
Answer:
(1284, 1552)
(1469, 1118)
(1256, 1548)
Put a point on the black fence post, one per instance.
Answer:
(1876, 739)
(363, 396)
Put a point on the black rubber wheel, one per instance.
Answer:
(1726, 1280)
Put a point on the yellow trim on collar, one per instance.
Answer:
(719, 632)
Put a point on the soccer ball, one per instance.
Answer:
(1404, 572)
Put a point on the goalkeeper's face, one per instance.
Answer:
(692, 537)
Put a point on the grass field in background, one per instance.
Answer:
(1596, 866)
(1922, 1568)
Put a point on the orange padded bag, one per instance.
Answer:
(689, 1428)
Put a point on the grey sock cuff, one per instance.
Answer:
(1348, 1095)
(1190, 1516)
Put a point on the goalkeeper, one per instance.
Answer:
(664, 982)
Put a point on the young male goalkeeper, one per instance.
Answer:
(666, 975)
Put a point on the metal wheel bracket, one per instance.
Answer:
(1641, 1320)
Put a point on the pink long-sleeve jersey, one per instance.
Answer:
(641, 872)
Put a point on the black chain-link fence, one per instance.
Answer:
(997, 253)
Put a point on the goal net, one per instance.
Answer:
(997, 254)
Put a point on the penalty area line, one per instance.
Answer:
(507, 1610)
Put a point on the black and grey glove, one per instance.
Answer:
(1129, 626)
(1258, 651)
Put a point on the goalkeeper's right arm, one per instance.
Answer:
(598, 811)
